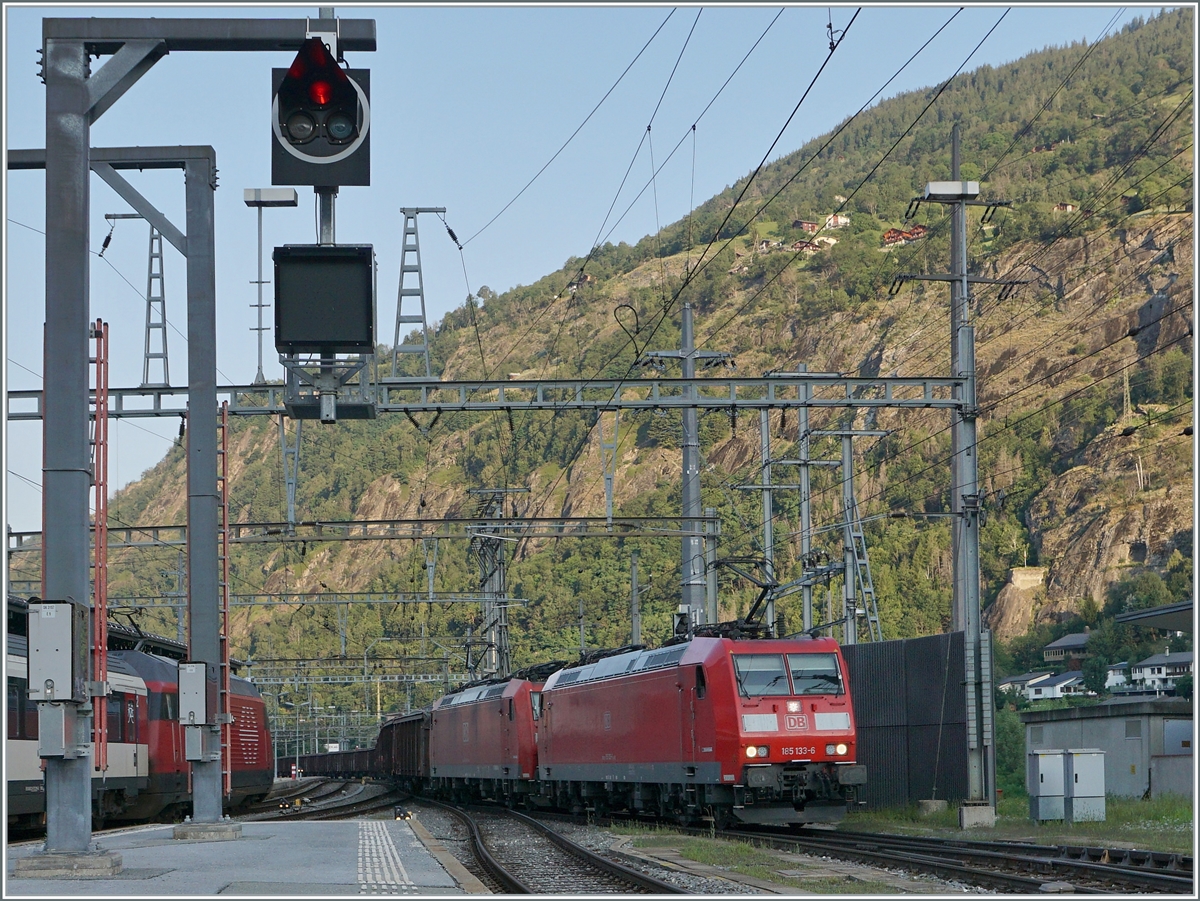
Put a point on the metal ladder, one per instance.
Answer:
(411, 246)
(156, 314)
(862, 572)
(224, 707)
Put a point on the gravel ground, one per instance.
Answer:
(444, 827)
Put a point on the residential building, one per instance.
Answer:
(893, 236)
(804, 225)
(1018, 684)
(836, 220)
(1070, 650)
(1161, 671)
(1061, 686)
(1116, 675)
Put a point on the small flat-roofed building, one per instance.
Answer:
(1147, 742)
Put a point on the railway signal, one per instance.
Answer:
(320, 120)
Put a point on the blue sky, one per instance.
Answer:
(468, 103)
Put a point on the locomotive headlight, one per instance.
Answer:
(830, 749)
(836, 749)
(763, 750)
(752, 751)
(794, 706)
(842, 749)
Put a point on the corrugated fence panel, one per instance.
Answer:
(910, 709)
(934, 668)
(884, 750)
(872, 665)
(943, 754)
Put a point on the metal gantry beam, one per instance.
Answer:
(384, 530)
(774, 391)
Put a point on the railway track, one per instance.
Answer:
(1006, 866)
(521, 856)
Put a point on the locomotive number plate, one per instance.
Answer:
(798, 752)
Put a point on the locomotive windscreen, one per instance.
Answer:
(761, 674)
(815, 674)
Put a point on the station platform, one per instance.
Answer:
(285, 859)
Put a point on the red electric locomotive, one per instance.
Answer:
(483, 738)
(743, 731)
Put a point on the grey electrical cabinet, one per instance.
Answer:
(58, 664)
(1083, 777)
(197, 693)
(1044, 782)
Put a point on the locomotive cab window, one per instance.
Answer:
(815, 674)
(761, 674)
(701, 685)
(535, 701)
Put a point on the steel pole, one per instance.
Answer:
(849, 594)
(768, 508)
(805, 498)
(66, 475)
(958, 289)
(203, 558)
(693, 553)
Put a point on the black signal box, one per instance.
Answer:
(324, 298)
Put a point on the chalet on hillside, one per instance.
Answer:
(1065, 207)
(836, 220)
(1070, 649)
(917, 231)
(804, 225)
(893, 236)
(806, 246)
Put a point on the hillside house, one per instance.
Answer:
(826, 241)
(1062, 686)
(1070, 650)
(836, 220)
(804, 225)
(1017, 685)
(1116, 676)
(893, 236)
(1065, 207)
(1161, 671)
(579, 281)
(809, 247)
(917, 231)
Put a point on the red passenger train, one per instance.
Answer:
(740, 731)
(147, 775)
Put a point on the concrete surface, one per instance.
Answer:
(346, 857)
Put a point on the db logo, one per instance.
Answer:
(796, 722)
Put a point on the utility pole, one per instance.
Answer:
(979, 806)
(635, 608)
(259, 198)
(693, 579)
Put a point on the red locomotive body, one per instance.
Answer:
(760, 732)
(482, 740)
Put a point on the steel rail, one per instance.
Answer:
(1036, 858)
(491, 866)
(870, 853)
(655, 886)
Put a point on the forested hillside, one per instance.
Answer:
(1085, 386)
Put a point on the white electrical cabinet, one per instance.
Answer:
(1045, 784)
(1083, 775)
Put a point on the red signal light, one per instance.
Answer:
(320, 92)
